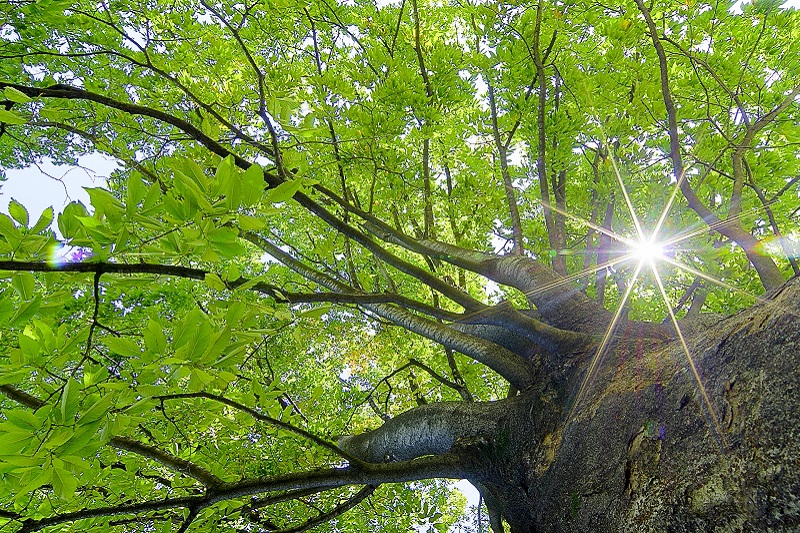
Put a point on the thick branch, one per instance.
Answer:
(553, 339)
(440, 467)
(541, 148)
(106, 268)
(167, 459)
(443, 466)
(199, 274)
(76, 93)
(509, 365)
(129, 509)
(374, 475)
(508, 185)
(430, 429)
(745, 144)
(559, 302)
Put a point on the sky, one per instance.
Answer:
(56, 186)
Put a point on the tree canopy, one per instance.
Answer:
(330, 216)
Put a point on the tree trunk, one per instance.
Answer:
(641, 451)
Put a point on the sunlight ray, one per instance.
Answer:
(637, 224)
(711, 416)
(600, 353)
(549, 286)
(668, 207)
(706, 227)
(605, 231)
(712, 279)
(573, 277)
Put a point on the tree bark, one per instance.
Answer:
(640, 452)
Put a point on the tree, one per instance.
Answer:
(354, 249)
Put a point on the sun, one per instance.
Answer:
(647, 250)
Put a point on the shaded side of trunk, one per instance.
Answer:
(643, 454)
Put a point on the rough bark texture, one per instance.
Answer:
(641, 452)
(641, 456)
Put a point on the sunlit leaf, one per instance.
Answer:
(122, 346)
(15, 95)
(215, 282)
(45, 219)
(18, 212)
(11, 117)
(70, 400)
(284, 191)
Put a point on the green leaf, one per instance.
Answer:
(315, 313)
(15, 95)
(183, 329)
(225, 241)
(249, 284)
(10, 117)
(70, 399)
(64, 483)
(59, 436)
(190, 191)
(12, 377)
(68, 223)
(24, 283)
(26, 311)
(83, 441)
(98, 410)
(226, 170)
(199, 379)
(102, 200)
(197, 342)
(13, 439)
(18, 212)
(42, 478)
(193, 170)
(23, 419)
(122, 346)
(24, 460)
(221, 341)
(284, 191)
(232, 273)
(154, 338)
(248, 223)
(215, 282)
(252, 185)
(53, 112)
(136, 191)
(45, 219)
(30, 347)
(142, 406)
(8, 230)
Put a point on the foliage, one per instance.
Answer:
(247, 281)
